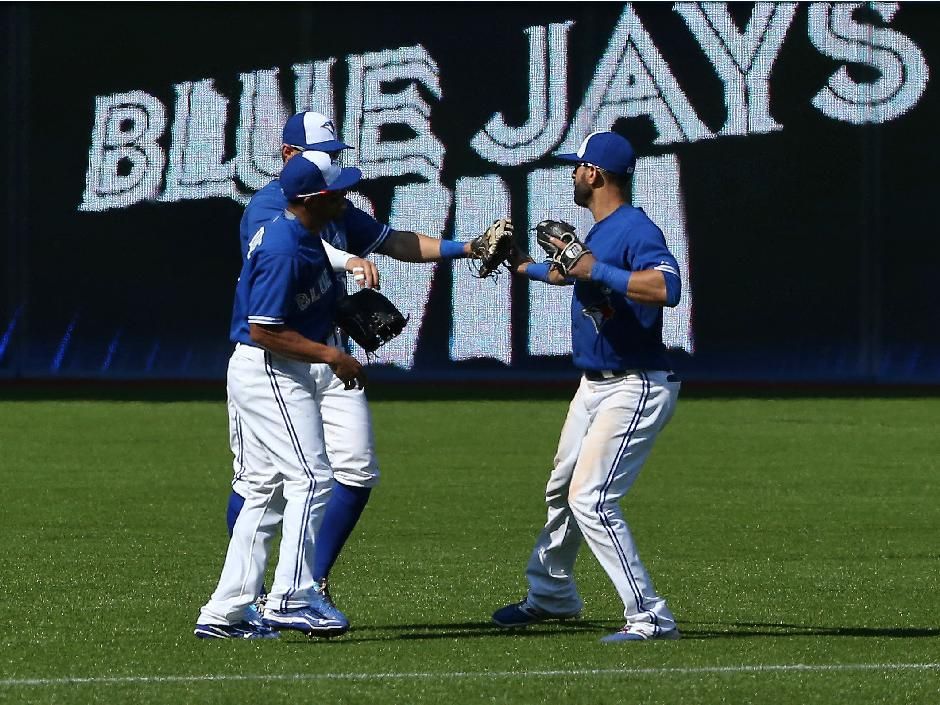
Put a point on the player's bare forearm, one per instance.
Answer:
(407, 246)
(287, 342)
(647, 287)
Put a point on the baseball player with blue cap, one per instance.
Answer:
(346, 420)
(278, 375)
(312, 131)
(623, 276)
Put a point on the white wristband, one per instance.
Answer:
(338, 258)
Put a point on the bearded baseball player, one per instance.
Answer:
(280, 372)
(623, 275)
(347, 423)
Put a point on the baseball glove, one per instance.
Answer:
(491, 248)
(369, 318)
(562, 258)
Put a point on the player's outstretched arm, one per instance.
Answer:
(287, 342)
(525, 266)
(408, 246)
(651, 287)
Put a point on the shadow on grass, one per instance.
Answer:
(742, 630)
(690, 630)
(472, 630)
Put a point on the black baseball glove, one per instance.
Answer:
(492, 248)
(562, 258)
(369, 318)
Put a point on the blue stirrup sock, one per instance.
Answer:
(342, 514)
(235, 504)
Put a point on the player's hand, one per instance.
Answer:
(558, 279)
(581, 268)
(348, 369)
(518, 261)
(364, 272)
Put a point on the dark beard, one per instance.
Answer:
(582, 194)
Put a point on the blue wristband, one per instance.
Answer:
(614, 277)
(451, 249)
(538, 271)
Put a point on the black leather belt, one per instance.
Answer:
(601, 375)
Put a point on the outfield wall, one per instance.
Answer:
(788, 151)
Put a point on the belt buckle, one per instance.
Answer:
(608, 374)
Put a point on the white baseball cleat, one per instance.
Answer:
(641, 632)
(242, 630)
(306, 620)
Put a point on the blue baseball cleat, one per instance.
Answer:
(641, 632)
(323, 603)
(306, 619)
(522, 614)
(241, 630)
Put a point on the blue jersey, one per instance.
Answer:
(355, 232)
(609, 331)
(285, 280)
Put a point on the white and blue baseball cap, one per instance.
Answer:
(312, 173)
(607, 150)
(310, 130)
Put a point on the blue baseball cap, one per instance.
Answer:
(312, 173)
(310, 130)
(608, 150)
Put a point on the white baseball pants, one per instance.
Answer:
(607, 436)
(277, 407)
(347, 432)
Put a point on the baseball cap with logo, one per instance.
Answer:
(608, 150)
(312, 173)
(310, 130)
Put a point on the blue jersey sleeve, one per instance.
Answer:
(649, 251)
(272, 283)
(364, 234)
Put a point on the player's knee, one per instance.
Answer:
(583, 503)
(304, 486)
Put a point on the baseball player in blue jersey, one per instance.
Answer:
(278, 375)
(623, 274)
(347, 423)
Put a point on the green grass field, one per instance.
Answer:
(797, 541)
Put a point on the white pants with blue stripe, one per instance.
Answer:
(607, 436)
(347, 432)
(277, 406)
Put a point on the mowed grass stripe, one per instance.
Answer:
(758, 668)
